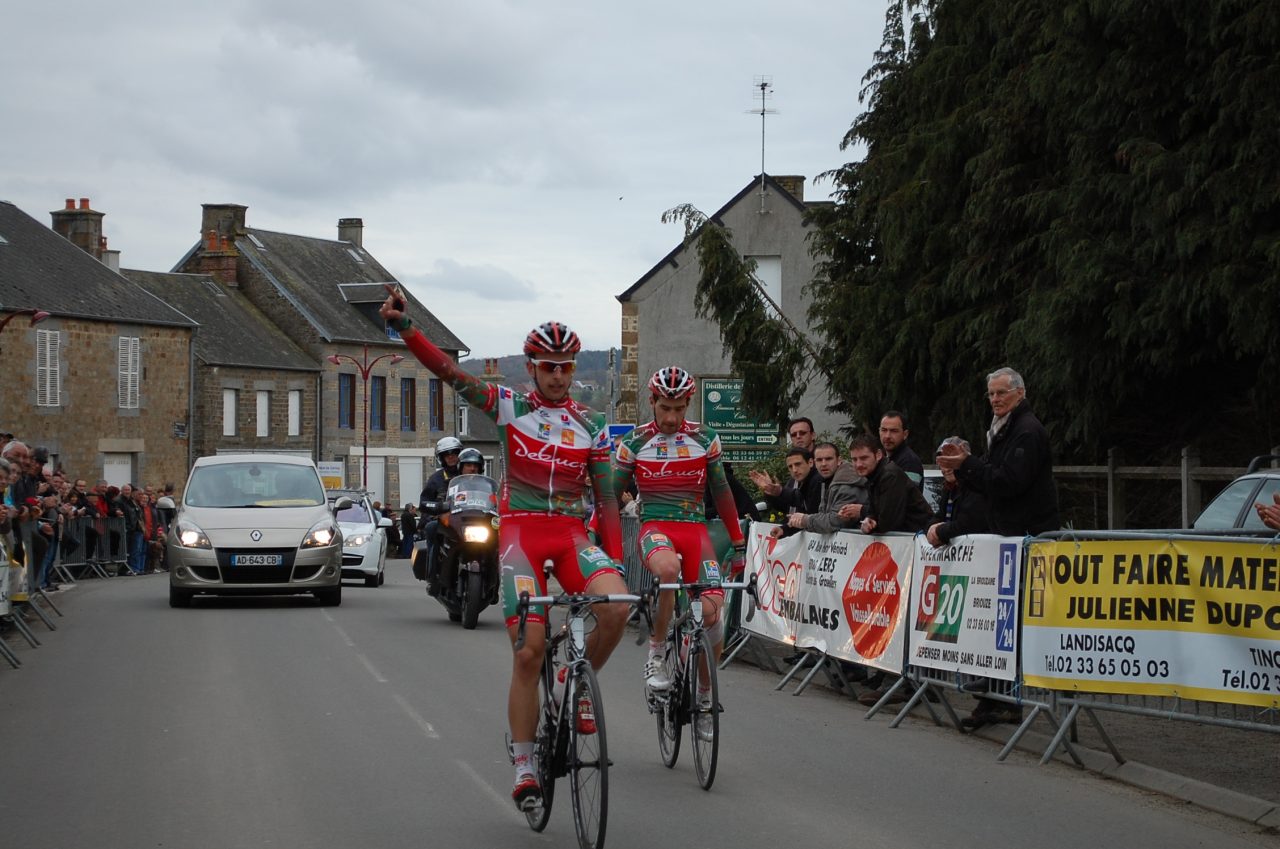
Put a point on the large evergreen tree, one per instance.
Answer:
(1087, 190)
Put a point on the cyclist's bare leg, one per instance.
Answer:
(611, 619)
(526, 666)
(664, 564)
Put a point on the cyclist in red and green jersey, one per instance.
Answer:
(671, 459)
(553, 450)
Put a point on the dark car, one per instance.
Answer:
(1233, 508)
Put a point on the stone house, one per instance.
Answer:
(660, 325)
(254, 388)
(104, 382)
(323, 294)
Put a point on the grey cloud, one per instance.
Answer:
(483, 282)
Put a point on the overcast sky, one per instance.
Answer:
(510, 160)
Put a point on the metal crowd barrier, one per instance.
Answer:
(1061, 710)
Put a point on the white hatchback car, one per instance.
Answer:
(364, 537)
(255, 524)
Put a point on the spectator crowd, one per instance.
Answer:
(48, 512)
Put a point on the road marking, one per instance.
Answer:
(503, 802)
(426, 727)
(377, 676)
(344, 635)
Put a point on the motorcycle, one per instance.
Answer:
(466, 548)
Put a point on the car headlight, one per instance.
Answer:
(355, 540)
(476, 533)
(322, 533)
(190, 536)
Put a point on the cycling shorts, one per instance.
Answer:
(528, 540)
(691, 541)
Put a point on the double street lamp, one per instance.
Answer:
(366, 369)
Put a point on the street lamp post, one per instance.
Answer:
(366, 369)
(37, 316)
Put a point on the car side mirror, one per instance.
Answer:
(384, 522)
(341, 504)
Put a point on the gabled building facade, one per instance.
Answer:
(660, 325)
(104, 383)
(254, 389)
(324, 295)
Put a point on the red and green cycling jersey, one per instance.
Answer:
(553, 452)
(671, 472)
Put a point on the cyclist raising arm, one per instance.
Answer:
(553, 449)
(671, 460)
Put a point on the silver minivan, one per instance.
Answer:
(255, 524)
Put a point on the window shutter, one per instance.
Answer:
(48, 374)
(135, 370)
(128, 371)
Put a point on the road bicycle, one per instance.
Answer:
(560, 748)
(689, 658)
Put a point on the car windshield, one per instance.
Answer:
(356, 514)
(254, 484)
(1223, 513)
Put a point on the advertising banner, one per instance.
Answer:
(964, 602)
(332, 473)
(844, 594)
(1182, 617)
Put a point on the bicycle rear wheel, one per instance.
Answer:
(704, 725)
(548, 759)
(588, 763)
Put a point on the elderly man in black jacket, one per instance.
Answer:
(1016, 475)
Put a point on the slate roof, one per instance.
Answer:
(748, 189)
(41, 269)
(324, 278)
(232, 331)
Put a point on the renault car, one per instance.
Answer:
(255, 524)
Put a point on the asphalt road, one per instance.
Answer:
(277, 723)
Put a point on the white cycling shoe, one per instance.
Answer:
(655, 674)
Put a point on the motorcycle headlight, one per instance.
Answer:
(476, 533)
(190, 535)
(322, 533)
(355, 540)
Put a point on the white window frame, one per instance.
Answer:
(128, 371)
(264, 412)
(230, 401)
(48, 368)
(464, 419)
(769, 276)
(295, 412)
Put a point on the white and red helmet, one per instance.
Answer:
(551, 337)
(672, 383)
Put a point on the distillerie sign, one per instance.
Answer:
(1191, 618)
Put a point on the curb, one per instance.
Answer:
(1260, 812)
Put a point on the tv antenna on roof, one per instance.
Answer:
(763, 90)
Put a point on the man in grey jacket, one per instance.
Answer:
(841, 485)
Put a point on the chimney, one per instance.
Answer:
(81, 226)
(491, 372)
(225, 219)
(218, 257)
(351, 230)
(110, 258)
(794, 186)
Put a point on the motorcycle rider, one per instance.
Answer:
(448, 450)
(470, 462)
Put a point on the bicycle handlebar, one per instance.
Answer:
(571, 599)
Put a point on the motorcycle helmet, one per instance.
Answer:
(471, 455)
(551, 337)
(446, 445)
(672, 383)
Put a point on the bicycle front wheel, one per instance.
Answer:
(588, 760)
(670, 707)
(704, 711)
